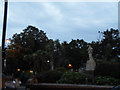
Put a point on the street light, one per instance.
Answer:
(7, 40)
(51, 64)
(18, 69)
(3, 41)
(48, 61)
(31, 71)
(4, 33)
(70, 65)
(6, 46)
(7, 43)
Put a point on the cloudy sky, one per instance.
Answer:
(62, 20)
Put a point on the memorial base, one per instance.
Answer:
(90, 76)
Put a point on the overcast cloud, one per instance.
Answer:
(64, 21)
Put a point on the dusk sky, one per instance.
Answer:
(62, 20)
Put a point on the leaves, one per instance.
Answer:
(106, 80)
(72, 78)
(33, 48)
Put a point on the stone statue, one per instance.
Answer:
(90, 52)
(90, 65)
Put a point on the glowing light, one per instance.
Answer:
(18, 69)
(48, 61)
(7, 40)
(31, 71)
(70, 65)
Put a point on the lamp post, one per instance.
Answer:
(7, 42)
(4, 33)
(3, 40)
(51, 64)
(70, 66)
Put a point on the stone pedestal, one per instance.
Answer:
(90, 65)
(90, 76)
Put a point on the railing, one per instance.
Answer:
(42, 86)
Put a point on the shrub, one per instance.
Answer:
(49, 77)
(108, 69)
(60, 69)
(106, 80)
(72, 78)
(25, 76)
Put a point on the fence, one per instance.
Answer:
(66, 87)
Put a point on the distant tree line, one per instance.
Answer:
(31, 50)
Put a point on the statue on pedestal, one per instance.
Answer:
(90, 65)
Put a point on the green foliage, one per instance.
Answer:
(22, 47)
(75, 52)
(25, 76)
(110, 44)
(108, 69)
(39, 59)
(106, 80)
(60, 69)
(109, 47)
(31, 49)
(72, 78)
(49, 77)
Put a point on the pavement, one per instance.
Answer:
(9, 85)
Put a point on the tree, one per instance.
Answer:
(76, 53)
(25, 43)
(109, 47)
(50, 52)
(31, 49)
(98, 50)
(31, 39)
(58, 54)
(110, 44)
